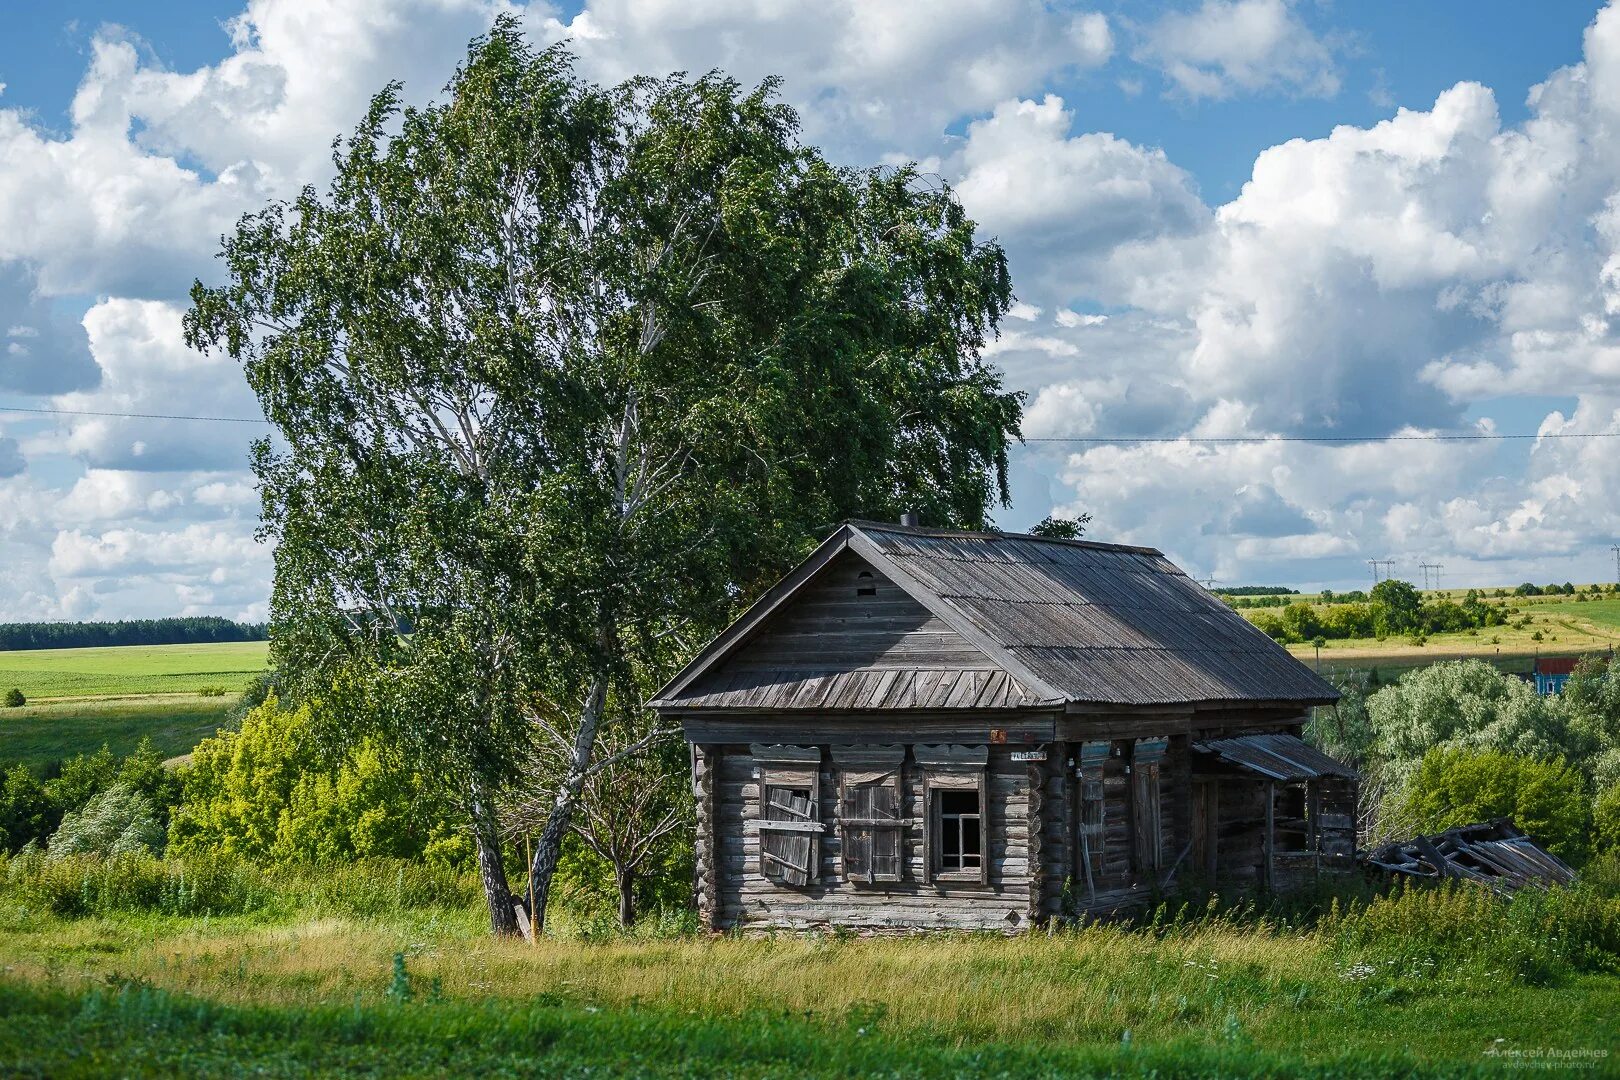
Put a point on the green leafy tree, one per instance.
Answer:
(15, 699)
(1546, 799)
(1397, 606)
(561, 374)
(26, 811)
(1606, 820)
(1462, 704)
(1061, 528)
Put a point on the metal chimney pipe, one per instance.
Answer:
(910, 518)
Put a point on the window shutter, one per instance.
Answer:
(790, 813)
(1093, 812)
(871, 828)
(1147, 809)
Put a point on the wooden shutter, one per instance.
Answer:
(871, 828)
(790, 813)
(1093, 813)
(1147, 812)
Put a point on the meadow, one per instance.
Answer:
(115, 969)
(40, 734)
(47, 674)
(1566, 628)
(82, 699)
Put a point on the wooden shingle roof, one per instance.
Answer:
(1068, 621)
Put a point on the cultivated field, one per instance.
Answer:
(82, 699)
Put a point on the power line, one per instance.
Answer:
(1438, 437)
(132, 415)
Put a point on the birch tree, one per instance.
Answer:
(560, 375)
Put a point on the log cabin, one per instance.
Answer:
(930, 728)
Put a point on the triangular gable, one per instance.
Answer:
(815, 641)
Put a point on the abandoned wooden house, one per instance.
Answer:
(932, 728)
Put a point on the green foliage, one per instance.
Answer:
(1545, 799)
(91, 885)
(117, 821)
(270, 792)
(1462, 704)
(1606, 821)
(26, 811)
(562, 374)
(1061, 528)
(15, 699)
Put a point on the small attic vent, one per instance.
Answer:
(864, 584)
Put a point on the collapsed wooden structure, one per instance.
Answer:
(1494, 854)
(931, 728)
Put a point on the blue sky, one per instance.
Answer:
(1429, 243)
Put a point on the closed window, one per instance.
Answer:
(789, 813)
(871, 830)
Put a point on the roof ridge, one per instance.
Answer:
(996, 534)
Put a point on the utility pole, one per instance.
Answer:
(1387, 564)
(1426, 567)
(1616, 549)
(1208, 583)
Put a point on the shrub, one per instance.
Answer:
(1606, 821)
(212, 691)
(272, 792)
(25, 810)
(15, 698)
(118, 821)
(1459, 787)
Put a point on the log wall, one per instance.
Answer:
(747, 899)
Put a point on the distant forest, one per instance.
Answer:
(1256, 590)
(15, 637)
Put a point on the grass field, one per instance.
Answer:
(40, 734)
(82, 699)
(1567, 628)
(135, 669)
(1436, 985)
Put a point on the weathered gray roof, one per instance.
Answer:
(1277, 756)
(1069, 620)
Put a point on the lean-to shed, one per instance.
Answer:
(934, 728)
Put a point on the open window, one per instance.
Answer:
(957, 812)
(790, 824)
(871, 829)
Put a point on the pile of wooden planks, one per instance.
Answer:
(1495, 854)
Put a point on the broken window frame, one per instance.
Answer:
(789, 830)
(867, 838)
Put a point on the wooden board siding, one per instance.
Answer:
(745, 898)
(852, 642)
